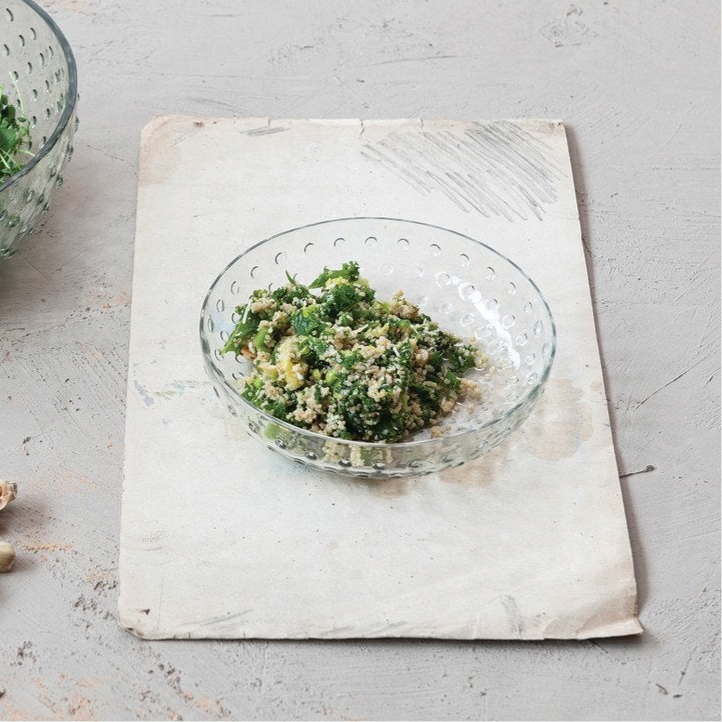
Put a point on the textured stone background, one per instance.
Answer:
(637, 84)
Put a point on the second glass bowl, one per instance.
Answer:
(39, 76)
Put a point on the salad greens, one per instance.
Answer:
(14, 137)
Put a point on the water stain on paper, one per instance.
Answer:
(480, 472)
(559, 424)
(160, 141)
(596, 387)
(387, 488)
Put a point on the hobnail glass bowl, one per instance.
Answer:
(467, 287)
(38, 69)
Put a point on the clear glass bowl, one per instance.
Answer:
(467, 287)
(38, 69)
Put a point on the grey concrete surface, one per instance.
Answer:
(637, 83)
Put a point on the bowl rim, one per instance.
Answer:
(541, 381)
(70, 102)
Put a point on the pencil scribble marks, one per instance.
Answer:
(494, 168)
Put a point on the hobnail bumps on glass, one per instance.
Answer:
(469, 288)
(42, 76)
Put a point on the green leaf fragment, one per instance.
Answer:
(349, 271)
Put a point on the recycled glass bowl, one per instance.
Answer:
(466, 286)
(38, 74)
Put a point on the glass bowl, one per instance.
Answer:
(38, 71)
(466, 286)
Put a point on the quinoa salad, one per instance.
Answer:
(332, 358)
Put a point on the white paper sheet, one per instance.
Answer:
(221, 538)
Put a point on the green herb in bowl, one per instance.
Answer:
(14, 137)
(332, 358)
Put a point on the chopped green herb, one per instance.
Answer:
(332, 358)
(14, 137)
(348, 271)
